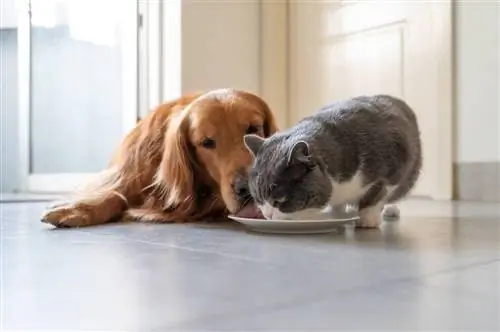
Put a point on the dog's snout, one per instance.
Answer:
(240, 186)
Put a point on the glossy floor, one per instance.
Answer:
(436, 269)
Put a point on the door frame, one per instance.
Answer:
(65, 182)
(445, 17)
(150, 56)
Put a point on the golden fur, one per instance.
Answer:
(162, 173)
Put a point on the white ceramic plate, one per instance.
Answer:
(313, 226)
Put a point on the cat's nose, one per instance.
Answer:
(240, 187)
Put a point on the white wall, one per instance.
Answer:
(220, 45)
(213, 44)
(226, 43)
(478, 85)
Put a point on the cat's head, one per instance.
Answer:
(286, 179)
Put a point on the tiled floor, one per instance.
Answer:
(436, 269)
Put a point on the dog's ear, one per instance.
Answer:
(270, 125)
(176, 171)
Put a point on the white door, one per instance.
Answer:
(77, 88)
(341, 49)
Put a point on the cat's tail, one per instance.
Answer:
(391, 212)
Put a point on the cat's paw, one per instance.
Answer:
(369, 217)
(391, 212)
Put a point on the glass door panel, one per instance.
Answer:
(83, 87)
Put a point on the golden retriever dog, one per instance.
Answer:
(184, 162)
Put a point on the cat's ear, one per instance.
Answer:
(300, 152)
(253, 143)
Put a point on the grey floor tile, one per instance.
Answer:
(21, 218)
(482, 280)
(72, 280)
(414, 273)
(67, 279)
(387, 307)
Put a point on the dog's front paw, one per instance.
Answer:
(66, 215)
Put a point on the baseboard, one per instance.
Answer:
(478, 181)
(27, 197)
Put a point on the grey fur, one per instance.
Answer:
(375, 135)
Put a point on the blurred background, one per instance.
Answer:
(76, 75)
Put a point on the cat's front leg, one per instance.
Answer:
(371, 205)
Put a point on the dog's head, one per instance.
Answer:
(204, 149)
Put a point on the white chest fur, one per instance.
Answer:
(350, 191)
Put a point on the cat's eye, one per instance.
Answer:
(280, 200)
(208, 143)
(277, 202)
(252, 129)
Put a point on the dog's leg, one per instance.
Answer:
(86, 212)
(99, 204)
(211, 209)
(148, 216)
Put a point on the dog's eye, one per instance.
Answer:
(208, 143)
(252, 129)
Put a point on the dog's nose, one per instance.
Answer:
(240, 187)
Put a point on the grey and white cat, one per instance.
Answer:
(364, 151)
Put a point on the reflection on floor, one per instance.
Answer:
(436, 269)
